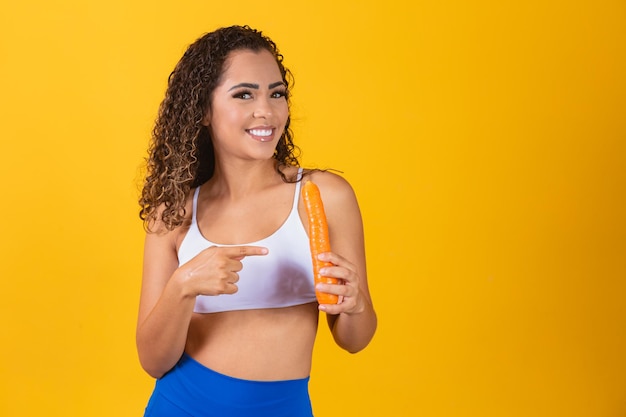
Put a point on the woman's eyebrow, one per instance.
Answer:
(276, 84)
(256, 86)
(247, 85)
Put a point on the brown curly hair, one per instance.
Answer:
(181, 151)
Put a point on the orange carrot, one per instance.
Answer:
(318, 238)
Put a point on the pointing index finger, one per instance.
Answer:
(240, 252)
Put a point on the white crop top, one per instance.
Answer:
(282, 278)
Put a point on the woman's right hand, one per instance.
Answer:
(214, 271)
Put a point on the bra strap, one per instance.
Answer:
(297, 193)
(195, 205)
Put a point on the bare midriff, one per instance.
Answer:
(263, 344)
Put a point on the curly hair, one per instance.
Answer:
(181, 151)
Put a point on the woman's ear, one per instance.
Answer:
(206, 120)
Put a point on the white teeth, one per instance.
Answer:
(261, 132)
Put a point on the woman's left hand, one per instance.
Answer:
(350, 297)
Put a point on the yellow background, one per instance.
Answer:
(486, 141)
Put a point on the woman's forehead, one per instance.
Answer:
(247, 65)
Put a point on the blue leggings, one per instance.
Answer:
(191, 389)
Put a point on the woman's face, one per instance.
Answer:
(249, 108)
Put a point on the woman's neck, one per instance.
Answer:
(235, 181)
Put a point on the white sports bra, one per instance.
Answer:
(282, 278)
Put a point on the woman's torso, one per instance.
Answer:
(257, 343)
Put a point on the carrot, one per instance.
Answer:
(318, 238)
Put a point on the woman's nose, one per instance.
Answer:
(263, 108)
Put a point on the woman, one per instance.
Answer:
(228, 314)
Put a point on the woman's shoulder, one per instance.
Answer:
(340, 202)
(332, 186)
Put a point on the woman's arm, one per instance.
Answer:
(352, 322)
(164, 309)
(169, 292)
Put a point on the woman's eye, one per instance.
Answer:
(279, 94)
(244, 95)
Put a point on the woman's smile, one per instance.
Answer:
(262, 134)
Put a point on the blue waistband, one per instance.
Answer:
(201, 391)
